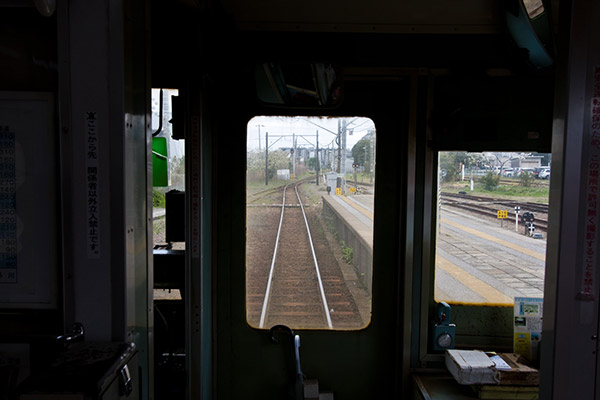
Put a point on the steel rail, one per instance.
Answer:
(312, 248)
(270, 280)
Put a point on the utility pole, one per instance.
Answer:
(318, 162)
(343, 152)
(259, 136)
(338, 141)
(367, 159)
(372, 158)
(294, 154)
(266, 158)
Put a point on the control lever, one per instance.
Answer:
(77, 333)
(299, 376)
(299, 379)
(125, 382)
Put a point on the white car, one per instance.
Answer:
(544, 174)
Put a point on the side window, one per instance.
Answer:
(168, 181)
(492, 224)
(309, 222)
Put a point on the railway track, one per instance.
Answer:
(533, 207)
(272, 194)
(301, 284)
(294, 288)
(488, 207)
(363, 187)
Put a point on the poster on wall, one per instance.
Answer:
(29, 207)
(528, 326)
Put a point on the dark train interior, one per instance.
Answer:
(79, 262)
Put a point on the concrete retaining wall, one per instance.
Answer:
(352, 232)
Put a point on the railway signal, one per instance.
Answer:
(517, 209)
(528, 217)
(530, 227)
(502, 215)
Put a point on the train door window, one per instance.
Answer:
(309, 225)
(492, 224)
(168, 181)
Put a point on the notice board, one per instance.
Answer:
(29, 207)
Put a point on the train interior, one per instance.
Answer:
(127, 131)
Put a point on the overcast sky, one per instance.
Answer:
(305, 129)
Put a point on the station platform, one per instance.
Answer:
(357, 210)
(477, 261)
(353, 222)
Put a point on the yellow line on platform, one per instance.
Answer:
(491, 238)
(358, 207)
(483, 289)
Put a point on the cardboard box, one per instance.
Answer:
(471, 367)
(519, 372)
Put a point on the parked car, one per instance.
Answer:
(507, 172)
(544, 174)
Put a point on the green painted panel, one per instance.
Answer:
(160, 175)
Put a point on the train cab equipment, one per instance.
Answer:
(439, 94)
(443, 331)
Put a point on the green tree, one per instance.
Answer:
(255, 163)
(490, 181)
(448, 168)
(503, 161)
(451, 163)
(158, 199)
(526, 179)
(361, 152)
